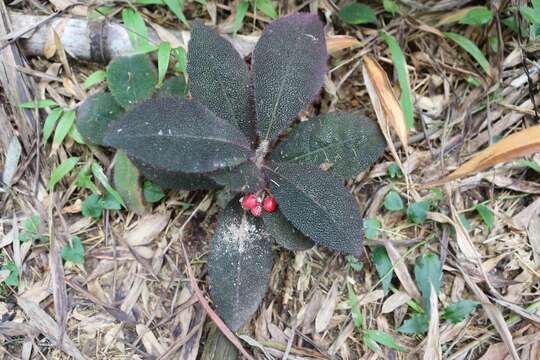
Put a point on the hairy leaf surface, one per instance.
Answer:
(289, 63)
(346, 142)
(318, 205)
(245, 177)
(174, 179)
(218, 77)
(284, 233)
(178, 135)
(95, 115)
(127, 182)
(131, 79)
(239, 265)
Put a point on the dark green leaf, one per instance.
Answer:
(428, 271)
(92, 206)
(318, 205)
(13, 277)
(417, 324)
(393, 202)
(417, 212)
(175, 179)
(61, 170)
(394, 171)
(74, 252)
(84, 179)
(152, 192)
(398, 58)
(50, 123)
(357, 14)
(95, 115)
(175, 86)
(384, 267)
(266, 7)
(371, 228)
(471, 48)
(94, 78)
(97, 170)
(110, 202)
(357, 316)
(64, 127)
(456, 313)
(390, 6)
(477, 16)
(178, 135)
(241, 11)
(127, 182)
(219, 78)
(284, 233)
(131, 79)
(136, 29)
(347, 143)
(239, 265)
(37, 104)
(164, 56)
(289, 64)
(487, 215)
(384, 339)
(246, 177)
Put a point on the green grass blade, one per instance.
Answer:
(472, 49)
(50, 123)
(61, 170)
(241, 10)
(164, 55)
(398, 59)
(137, 31)
(64, 127)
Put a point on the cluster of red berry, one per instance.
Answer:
(253, 203)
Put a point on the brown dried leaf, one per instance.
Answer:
(519, 144)
(433, 346)
(402, 273)
(394, 301)
(336, 43)
(147, 229)
(327, 309)
(384, 100)
(149, 340)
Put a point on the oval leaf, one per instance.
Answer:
(175, 86)
(246, 177)
(131, 79)
(176, 134)
(284, 233)
(218, 78)
(289, 64)
(127, 182)
(239, 265)
(174, 179)
(95, 115)
(318, 205)
(346, 142)
(357, 14)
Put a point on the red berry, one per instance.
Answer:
(257, 210)
(270, 204)
(249, 201)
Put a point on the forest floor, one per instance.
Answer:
(130, 297)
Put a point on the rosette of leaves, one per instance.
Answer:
(237, 130)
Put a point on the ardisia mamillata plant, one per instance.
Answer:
(234, 131)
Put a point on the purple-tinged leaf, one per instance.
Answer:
(246, 177)
(343, 142)
(239, 265)
(174, 179)
(95, 115)
(289, 64)
(218, 77)
(178, 135)
(317, 204)
(284, 233)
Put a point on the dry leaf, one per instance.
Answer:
(370, 297)
(402, 273)
(384, 100)
(327, 309)
(433, 345)
(147, 229)
(519, 144)
(336, 43)
(395, 301)
(150, 342)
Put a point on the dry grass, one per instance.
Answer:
(132, 298)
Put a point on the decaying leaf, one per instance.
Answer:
(384, 100)
(522, 143)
